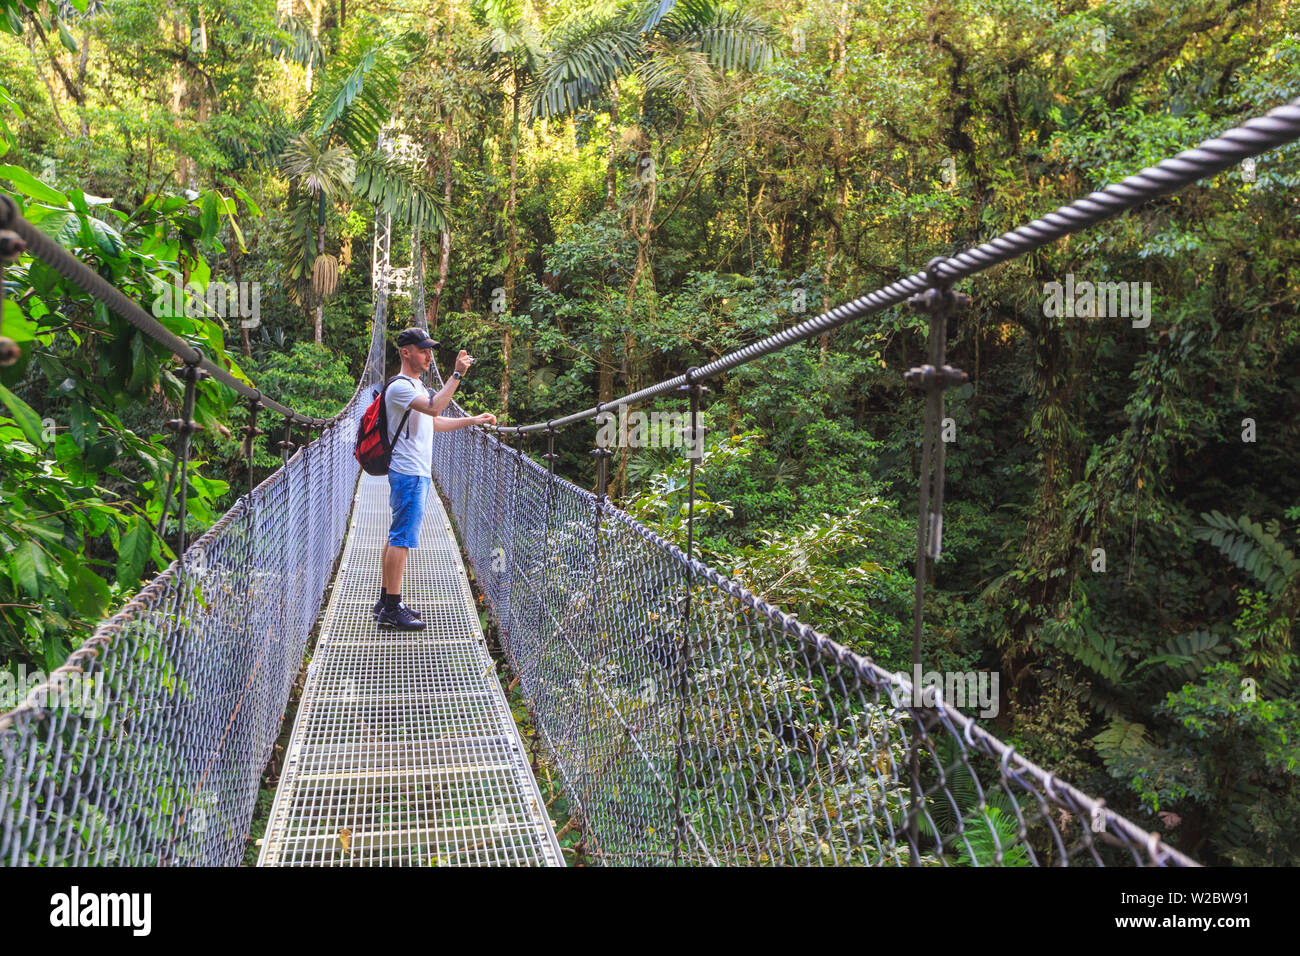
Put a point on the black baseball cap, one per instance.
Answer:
(417, 337)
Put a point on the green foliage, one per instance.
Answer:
(84, 466)
(53, 586)
(829, 572)
(1227, 760)
(979, 828)
(1052, 730)
(355, 96)
(1254, 550)
(666, 502)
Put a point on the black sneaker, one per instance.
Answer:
(379, 607)
(400, 617)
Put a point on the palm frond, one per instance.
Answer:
(292, 42)
(327, 171)
(733, 40)
(357, 92)
(684, 73)
(256, 137)
(519, 42)
(300, 246)
(500, 11)
(655, 11)
(586, 57)
(397, 190)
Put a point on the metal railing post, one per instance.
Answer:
(939, 302)
(185, 426)
(682, 659)
(251, 431)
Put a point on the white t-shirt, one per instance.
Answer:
(413, 449)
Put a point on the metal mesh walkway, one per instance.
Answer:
(404, 751)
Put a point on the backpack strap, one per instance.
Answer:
(407, 414)
(400, 425)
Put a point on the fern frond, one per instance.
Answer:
(1187, 655)
(1253, 549)
(1121, 738)
(1097, 651)
(991, 837)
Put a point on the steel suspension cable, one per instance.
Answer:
(1253, 137)
(52, 254)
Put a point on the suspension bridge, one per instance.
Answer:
(688, 721)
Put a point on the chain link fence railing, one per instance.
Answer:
(659, 684)
(146, 747)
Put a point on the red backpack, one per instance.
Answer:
(373, 449)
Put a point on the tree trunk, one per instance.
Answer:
(75, 90)
(243, 328)
(316, 9)
(512, 241)
(179, 92)
(641, 220)
(611, 169)
(444, 244)
(839, 56)
(54, 97)
(605, 357)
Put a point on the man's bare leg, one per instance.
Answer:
(393, 568)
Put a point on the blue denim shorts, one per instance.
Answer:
(407, 495)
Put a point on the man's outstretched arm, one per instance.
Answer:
(443, 397)
(442, 424)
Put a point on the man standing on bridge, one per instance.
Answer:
(410, 472)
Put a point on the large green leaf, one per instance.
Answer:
(30, 186)
(23, 562)
(74, 230)
(16, 325)
(134, 552)
(25, 416)
(82, 424)
(208, 215)
(89, 593)
(66, 37)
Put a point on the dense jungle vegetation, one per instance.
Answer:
(604, 194)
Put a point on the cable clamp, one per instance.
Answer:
(927, 377)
